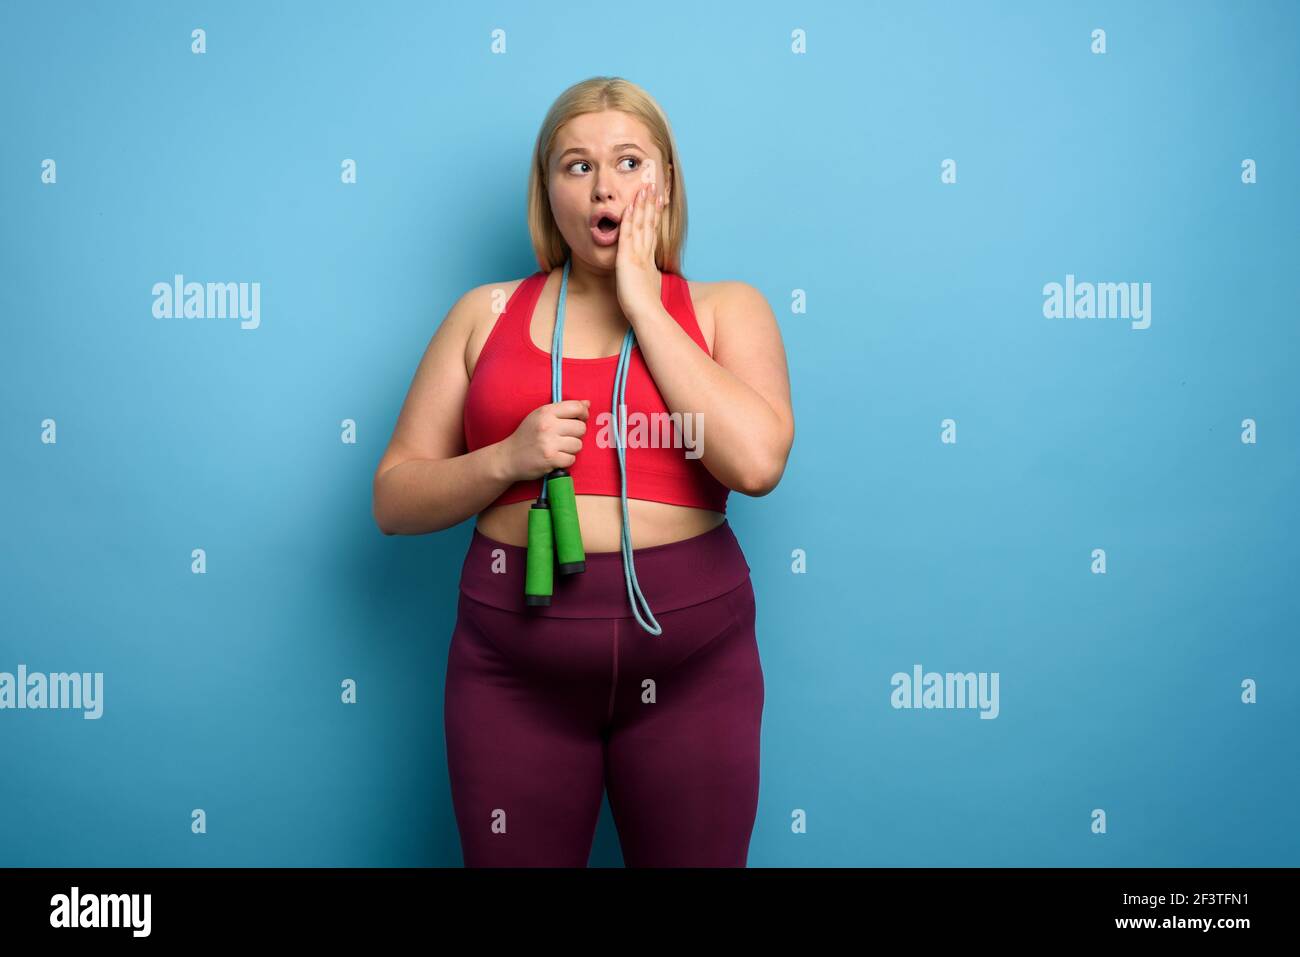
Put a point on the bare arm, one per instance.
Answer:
(742, 393)
(426, 481)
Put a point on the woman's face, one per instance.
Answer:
(599, 162)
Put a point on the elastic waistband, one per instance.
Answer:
(671, 576)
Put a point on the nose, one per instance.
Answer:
(601, 191)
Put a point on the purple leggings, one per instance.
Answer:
(546, 707)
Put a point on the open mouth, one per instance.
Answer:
(607, 225)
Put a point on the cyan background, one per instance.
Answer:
(817, 172)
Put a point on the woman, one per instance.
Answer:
(546, 706)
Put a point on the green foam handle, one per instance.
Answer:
(539, 576)
(564, 515)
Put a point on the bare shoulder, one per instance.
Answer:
(723, 296)
(723, 303)
(477, 312)
(485, 302)
(704, 300)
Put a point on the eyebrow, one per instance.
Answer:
(612, 149)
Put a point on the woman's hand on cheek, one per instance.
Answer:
(638, 280)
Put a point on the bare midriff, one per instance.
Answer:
(600, 518)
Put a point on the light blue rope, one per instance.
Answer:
(629, 569)
(557, 349)
(618, 402)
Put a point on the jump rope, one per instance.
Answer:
(553, 531)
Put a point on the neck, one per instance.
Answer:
(594, 285)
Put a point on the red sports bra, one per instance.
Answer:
(513, 377)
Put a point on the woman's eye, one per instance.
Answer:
(625, 159)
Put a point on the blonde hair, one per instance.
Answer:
(593, 96)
